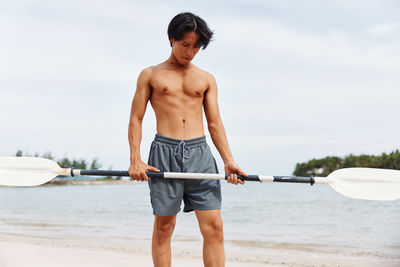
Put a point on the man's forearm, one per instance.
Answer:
(135, 137)
(218, 136)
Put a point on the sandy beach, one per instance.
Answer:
(20, 251)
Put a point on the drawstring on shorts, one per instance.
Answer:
(181, 149)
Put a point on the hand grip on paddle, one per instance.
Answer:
(234, 173)
(137, 171)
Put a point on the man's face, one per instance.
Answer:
(185, 49)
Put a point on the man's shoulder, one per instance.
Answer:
(151, 70)
(203, 73)
(146, 73)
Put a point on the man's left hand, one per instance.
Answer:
(233, 169)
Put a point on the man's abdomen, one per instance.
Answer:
(185, 122)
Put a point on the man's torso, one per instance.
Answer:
(177, 96)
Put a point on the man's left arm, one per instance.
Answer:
(217, 132)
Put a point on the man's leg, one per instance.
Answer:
(210, 223)
(161, 243)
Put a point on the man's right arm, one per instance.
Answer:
(137, 168)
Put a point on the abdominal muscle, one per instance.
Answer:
(178, 118)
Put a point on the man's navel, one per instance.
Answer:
(184, 130)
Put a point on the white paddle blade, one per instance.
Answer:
(366, 183)
(27, 171)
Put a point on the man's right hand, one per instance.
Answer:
(137, 170)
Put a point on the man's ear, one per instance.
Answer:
(171, 41)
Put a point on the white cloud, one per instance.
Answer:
(384, 29)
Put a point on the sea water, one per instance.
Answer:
(296, 218)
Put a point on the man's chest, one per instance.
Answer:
(170, 84)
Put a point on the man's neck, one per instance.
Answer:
(173, 61)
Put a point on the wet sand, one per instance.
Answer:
(20, 250)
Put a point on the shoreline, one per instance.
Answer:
(81, 251)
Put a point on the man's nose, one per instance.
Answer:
(190, 52)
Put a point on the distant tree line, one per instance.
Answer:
(65, 162)
(68, 163)
(324, 166)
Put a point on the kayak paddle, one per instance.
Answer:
(360, 183)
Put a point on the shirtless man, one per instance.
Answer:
(178, 92)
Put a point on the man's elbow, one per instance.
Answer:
(214, 126)
(135, 121)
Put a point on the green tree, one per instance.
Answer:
(46, 155)
(64, 163)
(95, 165)
(324, 166)
(79, 164)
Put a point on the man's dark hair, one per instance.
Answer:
(188, 22)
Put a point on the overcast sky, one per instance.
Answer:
(297, 79)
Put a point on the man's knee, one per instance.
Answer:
(213, 230)
(164, 226)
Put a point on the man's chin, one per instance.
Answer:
(185, 62)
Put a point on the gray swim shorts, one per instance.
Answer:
(193, 155)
